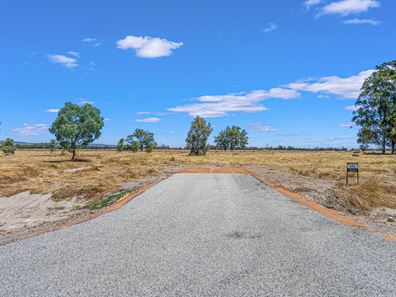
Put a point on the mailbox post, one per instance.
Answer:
(352, 167)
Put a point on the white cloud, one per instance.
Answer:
(271, 27)
(74, 53)
(31, 130)
(309, 3)
(89, 40)
(347, 88)
(347, 7)
(222, 105)
(346, 125)
(362, 22)
(219, 106)
(65, 61)
(53, 110)
(92, 41)
(143, 112)
(352, 107)
(263, 128)
(148, 47)
(148, 120)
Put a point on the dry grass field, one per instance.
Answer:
(100, 172)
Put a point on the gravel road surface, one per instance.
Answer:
(202, 235)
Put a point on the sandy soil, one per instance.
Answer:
(26, 210)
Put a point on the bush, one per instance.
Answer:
(8, 147)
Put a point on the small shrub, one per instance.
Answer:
(8, 147)
(107, 201)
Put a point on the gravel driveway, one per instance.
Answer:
(202, 235)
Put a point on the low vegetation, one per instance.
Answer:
(8, 147)
(107, 201)
(100, 172)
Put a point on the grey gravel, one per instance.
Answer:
(202, 235)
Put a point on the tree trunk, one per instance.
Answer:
(73, 154)
(393, 146)
(383, 145)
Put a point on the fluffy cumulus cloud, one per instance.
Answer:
(346, 88)
(371, 22)
(31, 130)
(223, 105)
(148, 120)
(347, 7)
(148, 47)
(65, 61)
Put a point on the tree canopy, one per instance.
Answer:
(232, 138)
(197, 136)
(376, 113)
(144, 140)
(8, 147)
(77, 126)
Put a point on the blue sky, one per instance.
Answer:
(286, 71)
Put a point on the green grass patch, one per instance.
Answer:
(106, 201)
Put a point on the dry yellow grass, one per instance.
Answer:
(101, 171)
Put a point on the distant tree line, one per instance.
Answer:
(77, 127)
(376, 109)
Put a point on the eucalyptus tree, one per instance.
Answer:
(376, 113)
(197, 137)
(77, 126)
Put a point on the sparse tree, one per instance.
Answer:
(121, 145)
(52, 146)
(197, 137)
(221, 141)
(149, 142)
(237, 137)
(376, 114)
(144, 139)
(139, 136)
(77, 126)
(232, 138)
(8, 147)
